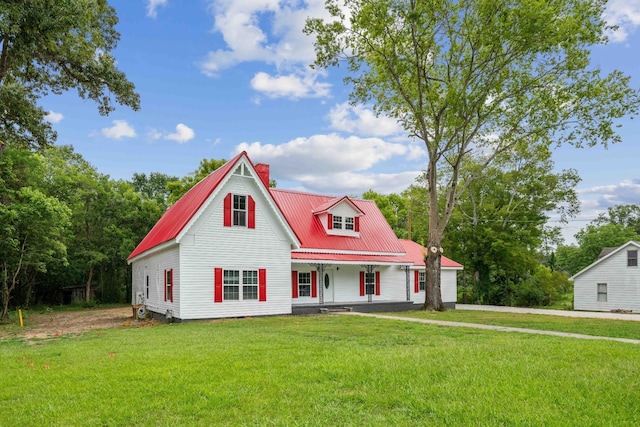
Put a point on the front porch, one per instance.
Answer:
(362, 307)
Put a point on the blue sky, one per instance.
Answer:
(220, 76)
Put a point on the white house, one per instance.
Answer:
(612, 282)
(232, 247)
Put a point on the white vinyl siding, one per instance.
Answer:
(235, 248)
(623, 284)
(154, 267)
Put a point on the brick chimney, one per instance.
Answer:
(263, 171)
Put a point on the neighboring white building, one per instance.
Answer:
(232, 247)
(611, 283)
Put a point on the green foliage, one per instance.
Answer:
(476, 80)
(318, 370)
(52, 46)
(395, 209)
(153, 187)
(178, 188)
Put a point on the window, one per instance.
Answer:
(348, 223)
(337, 222)
(231, 283)
(370, 283)
(168, 285)
(147, 286)
(249, 284)
(602, 292)
(239, 210)
(422, 280)
(632, 259)
(304, 284)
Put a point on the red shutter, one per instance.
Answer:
(217, 285)
(314, 284)
(357, 223)
(329, 221)
(294, 284)
(165, 285)
(262, 284)
(251, 222)
(172, 285)
(416, 280)
(227, 210)
(362, 283)
(377, 283)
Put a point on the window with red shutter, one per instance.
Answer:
(217, 285)
(251, 221)
(314, 284)
(262, 284)
(377, 283)
(416, 285)
(362, 283)
(227, 210)
(294, 284)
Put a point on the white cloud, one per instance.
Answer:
(243, 27)
(53, 117)
(183, 134)
(290, 86)
(625, 14)
(153, 5)
(332, 163)
(154, 134)
(362, 121)
(120, 129)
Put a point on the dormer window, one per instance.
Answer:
(348, 223)
(239, 210)
(337, 222)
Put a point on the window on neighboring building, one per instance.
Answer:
(632, 258)
(239, 210)
(337, 222)
(602, 292)
(250, 284)
(304, 284)
(370, 283)
(422, 280)
(231, 284)
(348, 223)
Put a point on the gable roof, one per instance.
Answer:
(326, 206)
(416, 252)
(376, 236)
(178, 216)
(606, 256)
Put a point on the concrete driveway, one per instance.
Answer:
(566, 313)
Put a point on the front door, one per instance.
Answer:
(327, 284)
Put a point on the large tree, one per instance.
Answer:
(475, 78)
(51, 46)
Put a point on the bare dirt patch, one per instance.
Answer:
(56, 324)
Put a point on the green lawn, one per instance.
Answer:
(598, 327)
(317, 370)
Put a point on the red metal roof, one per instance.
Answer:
(375, 233)
(350, 258)
(179, 215)
(416, 252)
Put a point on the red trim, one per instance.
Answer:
(416, 281)
(251, 221)
(227, 210)
(262, 284)
(217, 285)
(362, 283)
(377, 283)
(329, 221)
(356, 221)
(171, 289)
(165, 285)
(314, 284)
(294, 284)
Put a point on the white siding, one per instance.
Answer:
(208, 245)
(154, 266)
(448, 287)
(623, 285)
(346, 284)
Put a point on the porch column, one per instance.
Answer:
(407, 273)
(319, 281)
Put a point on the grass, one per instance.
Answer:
(545, 322)
(317, 370)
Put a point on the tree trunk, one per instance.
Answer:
(87, 292)
(5, 294)
(433, 295)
